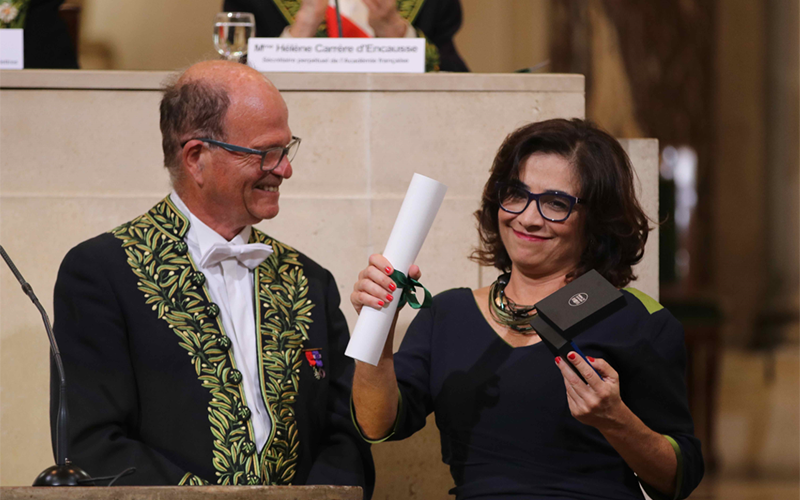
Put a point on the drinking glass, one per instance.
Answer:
(231, 32)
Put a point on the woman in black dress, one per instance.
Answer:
(514, 423)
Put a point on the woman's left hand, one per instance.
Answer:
(596, 402)
(385, 20)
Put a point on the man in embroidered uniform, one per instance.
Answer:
(435, 20)
(185, 331)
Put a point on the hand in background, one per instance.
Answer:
(385, 20)
(374, 287)
(308, 19)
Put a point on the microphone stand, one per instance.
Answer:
(63, 473)
(338, 19)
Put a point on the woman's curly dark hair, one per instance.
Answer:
(615, 225)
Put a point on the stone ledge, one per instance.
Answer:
(184, 493)
(304, 82)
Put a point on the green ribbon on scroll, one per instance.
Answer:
(409, 293)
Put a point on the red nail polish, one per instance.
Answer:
(380, 303)
(558, 360)
(571, 355)
(392, 287)
(389, 297)
(590, 359)
(388, 270)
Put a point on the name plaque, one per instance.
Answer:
(337, 55)
(11, 56)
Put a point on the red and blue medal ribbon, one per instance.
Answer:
(314, 358)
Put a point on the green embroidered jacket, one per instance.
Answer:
(152, 378)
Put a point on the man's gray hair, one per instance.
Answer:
(190, 110)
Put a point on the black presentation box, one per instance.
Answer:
(580, 304)
(566, 313)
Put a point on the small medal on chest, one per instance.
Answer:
(314, 358)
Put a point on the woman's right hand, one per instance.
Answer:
(308, 18)
(374, 287)
(375, 387)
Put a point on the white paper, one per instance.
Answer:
(337, 55)
(422, 202)
(11, 56)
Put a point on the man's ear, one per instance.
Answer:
(193, 158)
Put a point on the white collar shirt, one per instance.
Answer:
(231, 286)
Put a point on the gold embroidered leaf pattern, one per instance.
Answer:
(285, 313)
(288, 8)
(151, 245)
(158, 257)
(190, 479)
(409, 9)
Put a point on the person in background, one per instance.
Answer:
(197, 348)
(46, 40)
(514, 422)
(435, 20)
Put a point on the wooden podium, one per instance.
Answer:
(183, 493)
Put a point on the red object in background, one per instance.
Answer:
(349, 28)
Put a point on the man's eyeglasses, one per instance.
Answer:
(554, 206)
(270, 158)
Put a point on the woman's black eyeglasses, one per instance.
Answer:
(554, 206)
(270, 158)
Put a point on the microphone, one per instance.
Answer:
(338, 19)
(63, 473)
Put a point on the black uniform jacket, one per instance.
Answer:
(436, 20)
(152, 381)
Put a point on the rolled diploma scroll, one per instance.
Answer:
(422, 202)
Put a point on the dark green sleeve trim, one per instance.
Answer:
(649, 302)
(679, 472)
(657, 495)
(394, 427)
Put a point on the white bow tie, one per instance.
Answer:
(249, 255)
